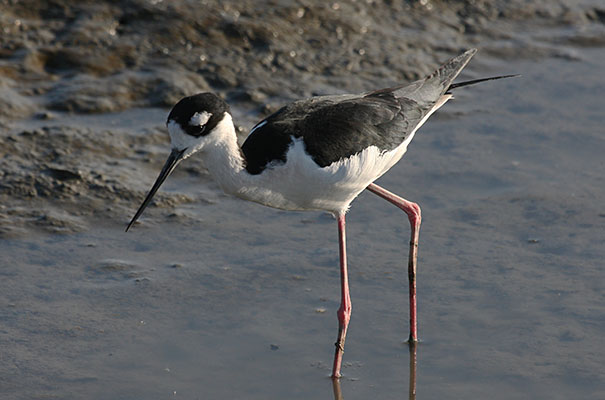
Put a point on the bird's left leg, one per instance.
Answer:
(344, 312)
(413, 212)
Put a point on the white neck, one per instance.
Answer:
(223, 158)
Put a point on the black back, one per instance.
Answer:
(333, 128)
(336, 127)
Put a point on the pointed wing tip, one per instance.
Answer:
(466, 56)
(447, 72)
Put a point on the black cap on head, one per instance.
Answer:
(187, 107)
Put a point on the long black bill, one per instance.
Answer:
(173, 160)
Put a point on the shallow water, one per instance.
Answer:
(226, 299)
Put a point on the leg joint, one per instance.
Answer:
(344, 315)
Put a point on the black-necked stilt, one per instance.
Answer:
(315, 154)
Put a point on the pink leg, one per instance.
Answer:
(344, 312)
(413, 212)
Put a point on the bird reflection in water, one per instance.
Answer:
(413, 363)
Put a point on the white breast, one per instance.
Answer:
(300, 184)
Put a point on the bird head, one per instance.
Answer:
(191, 124)
(192, 121)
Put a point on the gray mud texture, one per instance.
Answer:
(210, 297)
(66, 58)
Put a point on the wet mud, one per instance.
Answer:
(61, 58)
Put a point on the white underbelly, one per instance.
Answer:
(300, 184)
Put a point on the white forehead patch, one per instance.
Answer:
(200, 118)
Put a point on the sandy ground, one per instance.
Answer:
(211, 297)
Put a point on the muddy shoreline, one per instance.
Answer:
(59, 59)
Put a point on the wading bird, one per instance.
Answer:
(315, 154)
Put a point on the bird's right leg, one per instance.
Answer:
(344, 312)
(413, 212)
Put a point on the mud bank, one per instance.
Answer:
(61, 59)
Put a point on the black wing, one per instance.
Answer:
(265, 144)
(340, 130)
(332, 128)
(337, 127)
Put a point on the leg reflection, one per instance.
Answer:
(336, 388)
(413, 362)
(413, 346)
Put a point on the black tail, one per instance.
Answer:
(467, 83)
